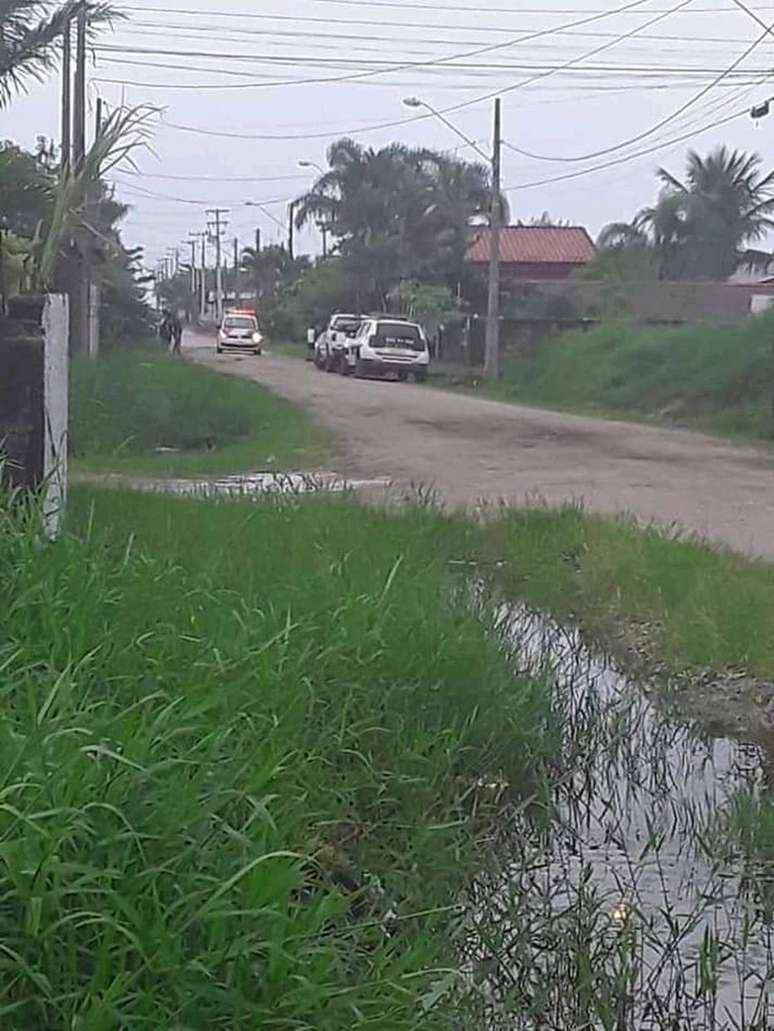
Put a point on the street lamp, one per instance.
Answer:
(492, 354)
(320, 225)
(311, 164)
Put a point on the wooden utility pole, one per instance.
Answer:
(492, 353)
(67, 101)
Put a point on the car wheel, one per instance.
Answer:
(402, 375)
(420, 376)
(257, 352)
(360, 370)
(219, 350)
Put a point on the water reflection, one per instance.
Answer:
(628, 909)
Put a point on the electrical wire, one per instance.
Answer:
(630, 157)
(658, 125)
(439, 61)
(219, 178)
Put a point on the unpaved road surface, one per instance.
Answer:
(471, 450)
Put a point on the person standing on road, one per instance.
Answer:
(165, 329)
(177, 335)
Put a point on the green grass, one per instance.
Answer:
(129, 403)
(703, 606)
(234, 735)
(717, 377)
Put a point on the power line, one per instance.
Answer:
(659, 125)
(194, 31)
(220, 178)
(438, 61)
(630, 157)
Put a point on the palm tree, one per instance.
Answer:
(701, 227)
(30, 32)
(727, 203)
(398, 213)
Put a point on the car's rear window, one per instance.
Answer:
(399, 334)
(346, 325)
(239, 322)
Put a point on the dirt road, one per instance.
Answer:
(471, 449)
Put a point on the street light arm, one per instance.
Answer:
(415, 102)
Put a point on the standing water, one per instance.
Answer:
(620, 903)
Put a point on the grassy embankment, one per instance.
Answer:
(235, 737)
(717, 377)
(128, 404)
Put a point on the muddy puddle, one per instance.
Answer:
(252, 485)
(622, 902)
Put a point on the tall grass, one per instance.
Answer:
(701, 606)
(130, 403)
(240, 751)
(714, 375)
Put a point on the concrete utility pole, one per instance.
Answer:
(236, 271)
(81, 297)
(291, 229)
(193, 238)
(67, 102)
(492, 353)
(258, 240)
(92, 280)
(217, 227)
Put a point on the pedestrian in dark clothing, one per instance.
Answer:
(165, 329)
(177, 335)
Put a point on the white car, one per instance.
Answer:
(386, 346)
(332, 345)
(239, 331)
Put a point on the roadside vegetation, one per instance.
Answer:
(243, 745)
(700, 606)
(144, 411)
(712, 376)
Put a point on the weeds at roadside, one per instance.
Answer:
(143, 411)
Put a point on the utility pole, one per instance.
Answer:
(492, 353)
(258, 240)
(67, 101)
(236, 272)
(92, 280)
(291, 228)
(81, 294)
(203, 309)
(217, 226)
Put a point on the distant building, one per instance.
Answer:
(529, 253)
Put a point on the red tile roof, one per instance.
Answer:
(565, 245)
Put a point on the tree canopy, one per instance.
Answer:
(702, 225)
(397, 213)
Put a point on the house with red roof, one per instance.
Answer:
(532, 253)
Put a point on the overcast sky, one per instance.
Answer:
(235, 66)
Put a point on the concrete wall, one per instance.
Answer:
(34, 400)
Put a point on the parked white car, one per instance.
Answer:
(239, 331)
(387, 346)
(332, 345)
